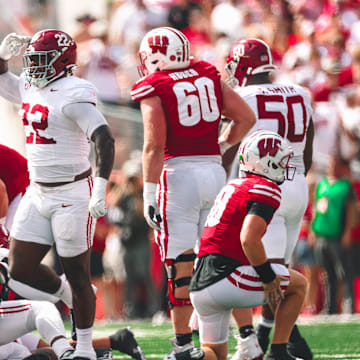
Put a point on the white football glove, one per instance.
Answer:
(12, 45)
(151, 209)
(97, 206)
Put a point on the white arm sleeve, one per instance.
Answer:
(9, 87)
(86, 115)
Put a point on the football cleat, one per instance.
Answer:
(124, 340)
(184, 352)
(300, 349)
(67, 355)
(103, 353)
(248, 348)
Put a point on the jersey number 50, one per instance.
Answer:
(290, 101)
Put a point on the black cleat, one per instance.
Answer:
(300, 349)
(262, 335)
(124, 340)
(103, 353)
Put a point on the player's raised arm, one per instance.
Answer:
(10, 46)
(243, 118)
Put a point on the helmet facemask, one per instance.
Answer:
(43, 73)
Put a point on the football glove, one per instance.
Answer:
(97, 206)
(12, 45)
(151, 209)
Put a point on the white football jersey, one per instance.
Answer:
(57, 147)
(284, 109)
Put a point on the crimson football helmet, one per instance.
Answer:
(163, 48)
(50, 54)
(248, 57)
(4, 237)
(267, 154)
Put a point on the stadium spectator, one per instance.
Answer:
(14, 177)
(285, 109)
(232, 269)
(126, 212)
(181, 103)
(63, 201)
(334, 217)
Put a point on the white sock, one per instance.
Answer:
(64, 292)
(84, 345)
(29, 292)
(266, 322)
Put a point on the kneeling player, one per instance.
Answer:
(233, 270)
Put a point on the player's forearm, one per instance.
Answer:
(105, 150)
(235, 132)
(153, 161)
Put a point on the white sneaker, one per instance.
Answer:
(248, 348)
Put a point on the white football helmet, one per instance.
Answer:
(267, 154)
(163, 48)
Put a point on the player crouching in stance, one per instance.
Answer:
(232, 269)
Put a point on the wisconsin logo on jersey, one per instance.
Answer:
(158, 43)
(268, 146)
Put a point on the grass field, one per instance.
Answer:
(330, 337)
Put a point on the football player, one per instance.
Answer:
(182, 101)
(122, 340)
(63, 200)
(285, 109)
(233, 269)
(14, 177)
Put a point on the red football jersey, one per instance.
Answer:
(13, 171)
(192, 102)
(221, 233)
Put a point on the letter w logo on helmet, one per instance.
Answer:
(268, 146)
(158, 43)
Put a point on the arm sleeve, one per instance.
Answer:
(9, 87)
(263, 210)
(86, 115)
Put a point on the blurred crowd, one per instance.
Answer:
(315, 43)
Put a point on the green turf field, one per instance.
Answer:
(332, 337)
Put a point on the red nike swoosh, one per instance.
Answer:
(63, 205)
(54, 90)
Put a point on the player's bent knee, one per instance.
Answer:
(298, 283)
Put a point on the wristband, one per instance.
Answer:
(265, 272)
(149, 190)
(99, 187)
